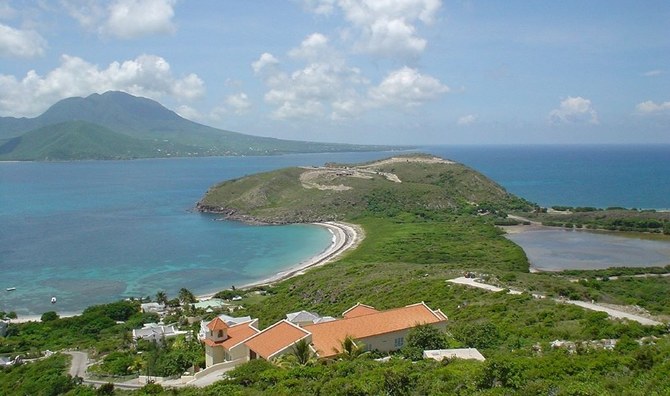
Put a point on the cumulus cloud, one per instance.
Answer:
(406, 87)
(650, 107)
(239, 103)
(383, 28)
(265, 62)
(574, 110)
(124, 19)
(146, 75)
(20, 43)
(313, 48)
(324, 87)
(467, 119)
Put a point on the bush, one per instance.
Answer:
(49, 316)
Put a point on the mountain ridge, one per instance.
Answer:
(147, 120)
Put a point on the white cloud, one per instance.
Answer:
(383, 27)
(311, 91)
(146, 75)
(20, 43)
(265, 62)
(574, 110)
(406, 87)
(134, 18)
(653, 73)
(239, 103)
(124, 19)
(313, 48)
(650, 107)
(188, 112)
(467, 119)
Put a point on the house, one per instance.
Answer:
(301, 318)
(383, 331)
(156, 332)
(229, 320)
(212, 303)
(276, 340)
(379, 330)
(152, 307)
(224, 342)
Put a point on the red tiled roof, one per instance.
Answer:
(217, 324)
(236, 335)
(358, 310)
(275, 338)
(327, 336)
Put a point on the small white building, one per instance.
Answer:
(156, 332)
(152, 307)
(302, 318)
(460, 353)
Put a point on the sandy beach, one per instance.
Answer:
(344, 237)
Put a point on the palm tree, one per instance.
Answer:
(350, 349)
(161, 297)
(302, 352)
(185, 296)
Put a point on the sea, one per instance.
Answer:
(92, 232)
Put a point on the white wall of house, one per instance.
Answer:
(213, 355)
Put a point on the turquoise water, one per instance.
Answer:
(93, 232)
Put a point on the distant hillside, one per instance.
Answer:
(166, 133)
(419, 185)
(78, 140)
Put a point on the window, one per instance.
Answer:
(399, 342)
(220, 334)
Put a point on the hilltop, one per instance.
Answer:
(150, 129)
(416, 184)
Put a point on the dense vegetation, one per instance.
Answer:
(423, 189)
(613, 219)
(116, 125)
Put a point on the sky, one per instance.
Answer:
(367, 71)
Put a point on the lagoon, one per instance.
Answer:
(556, 249)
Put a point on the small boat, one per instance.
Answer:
(53, 300)
(11, 289)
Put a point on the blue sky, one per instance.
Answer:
(366, 71)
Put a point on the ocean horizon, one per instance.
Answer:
(91, 232)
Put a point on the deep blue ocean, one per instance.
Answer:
(95, 231)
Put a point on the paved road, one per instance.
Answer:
(79, 363)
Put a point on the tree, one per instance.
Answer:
(426, 337)
(161, 297)
(185, 296)
(302, 352)
(49, 316)
(350, 349)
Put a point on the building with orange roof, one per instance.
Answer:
(358, 310)
(383, 331)
(276, 340)
(224, 342)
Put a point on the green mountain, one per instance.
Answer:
(417, 185)
(166, 133)
(79, 140)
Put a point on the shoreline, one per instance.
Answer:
(345, 236)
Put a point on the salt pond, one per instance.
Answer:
(556, 249)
